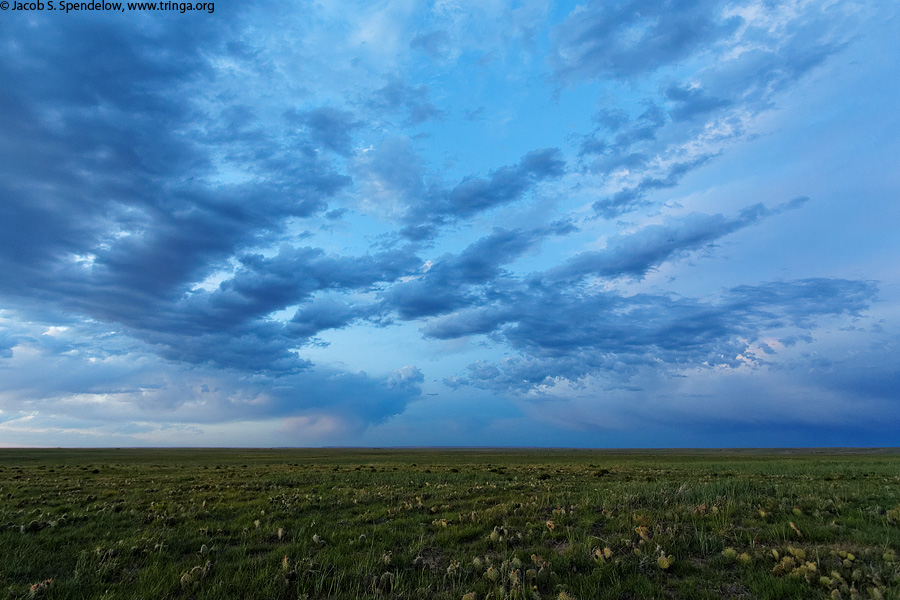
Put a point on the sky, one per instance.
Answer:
(618, 223)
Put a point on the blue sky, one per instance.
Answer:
(609, 224)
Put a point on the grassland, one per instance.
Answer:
(448, 524)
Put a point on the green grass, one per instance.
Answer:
(444, 524)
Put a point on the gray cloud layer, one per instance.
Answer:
(156, 203)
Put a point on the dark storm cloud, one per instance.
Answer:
(321, 314)
(631, 38)
(157, 176)
(505, 184)
(474, 195)
(109, 146)
(624, 143)
(563, 328)
(87, 142)
(170, 247)
(228, 327)
(448, 283)
(258, 347)
(138, 280)
(632, 255)
(356, 400)
(635, 254)
(398, 183)
(566, 335)
(469, 321)
(672, 329)
(264, 284)
(113, 207)
(621, 142)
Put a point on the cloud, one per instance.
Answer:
(448, 283)
(114, 204)
(322, 314)
(408, 377)
(120, 204)
(107, 377)
(631, 38)
(474, 195)
(329, 127)
(442, 290)
(787, 402)
(503, 185)
(264, 284)
(692, 102)
(562, 336)
(799, 303)
(564, 330)
(643, 155)
(92, 144)
(397, 96)
(630, 198)
(635, 254)
(132, 287)
(706, 74)
(187, 224)
(394, 179)
(228, 326)
(432, 43)
(468, 321)
(126, 192)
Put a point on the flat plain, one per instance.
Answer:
(449, 523)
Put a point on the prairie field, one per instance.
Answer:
(449, 524)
